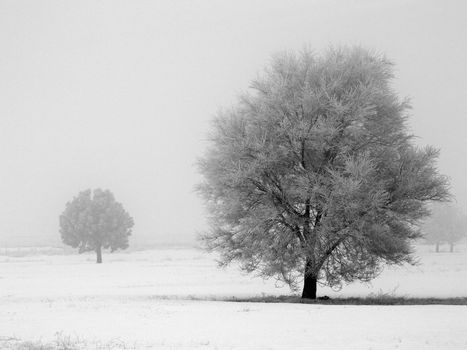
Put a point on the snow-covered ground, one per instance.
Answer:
(146, 300)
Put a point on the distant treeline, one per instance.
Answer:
(29, 240)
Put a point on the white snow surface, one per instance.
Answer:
(151, 300)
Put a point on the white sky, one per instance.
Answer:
(118, 94)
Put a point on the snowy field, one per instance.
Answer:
(166, 299)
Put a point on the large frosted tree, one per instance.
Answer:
(313, 177)
(93, 221)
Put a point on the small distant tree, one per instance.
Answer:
(95, 221)
(313, 175)
(447, 224)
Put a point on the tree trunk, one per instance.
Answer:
(99, 254)
(451, 247)
(310, 282)
(437, 247)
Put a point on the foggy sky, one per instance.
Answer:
(119, 94)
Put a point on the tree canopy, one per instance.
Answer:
(313, 175)
(95, 221)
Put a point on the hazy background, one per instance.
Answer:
(119, 94)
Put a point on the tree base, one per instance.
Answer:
(99, 255)
(309, 287)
